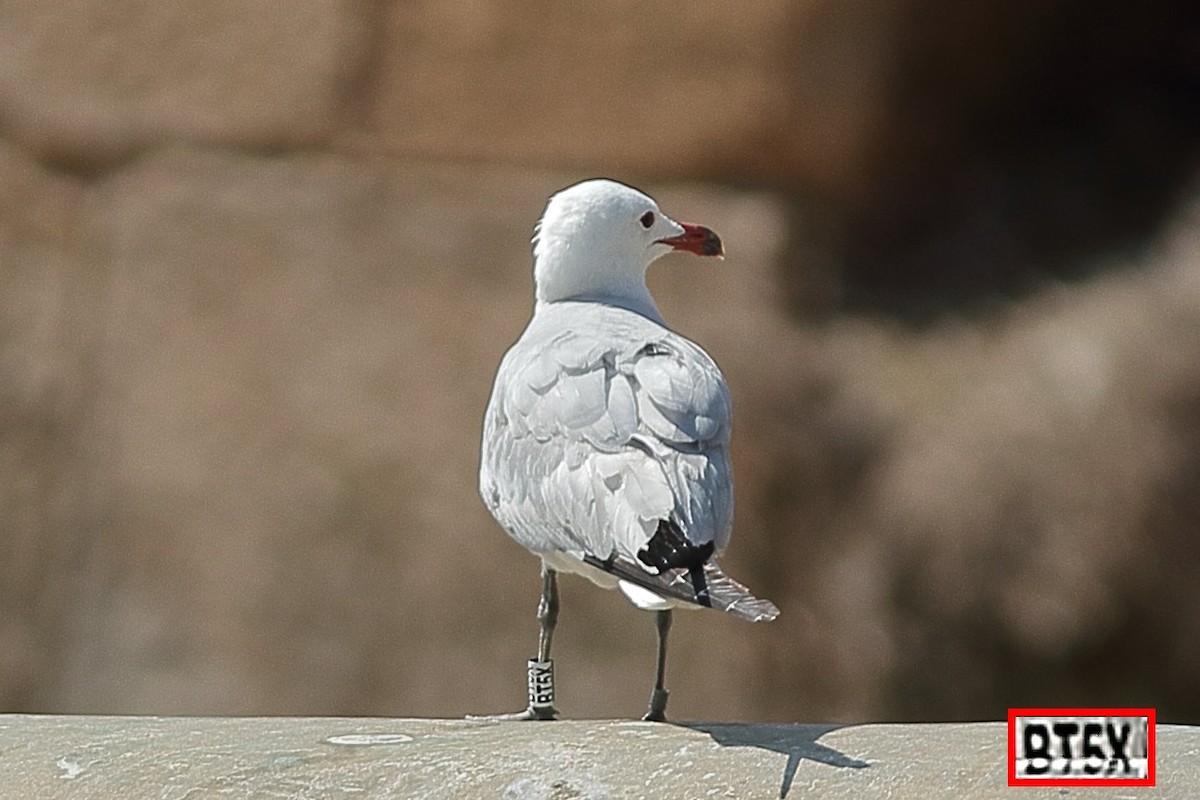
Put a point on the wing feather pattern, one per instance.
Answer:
(601, 424)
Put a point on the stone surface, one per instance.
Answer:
(685, 90)
(87, 82)
(47, 316)
(170, 758)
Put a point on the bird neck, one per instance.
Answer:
(559, 276)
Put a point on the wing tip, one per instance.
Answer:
(722, 592)
(753, 609)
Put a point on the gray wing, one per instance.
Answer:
(592, 438)
(724, 593)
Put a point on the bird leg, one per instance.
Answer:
(658, 697)
(547, 613)
(541, 669)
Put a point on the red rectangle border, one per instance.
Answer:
(1149, 713)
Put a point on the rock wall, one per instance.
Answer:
(258, 264)
(62, 757)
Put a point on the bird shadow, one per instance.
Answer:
(794, 741)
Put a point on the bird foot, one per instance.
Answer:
(658, 706)
(540, 679)
(531, 714)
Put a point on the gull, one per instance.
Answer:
(606, 439)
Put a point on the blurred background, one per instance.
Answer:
(259, 261)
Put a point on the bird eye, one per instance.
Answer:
(647, 219)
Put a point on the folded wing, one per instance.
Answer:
(596, 433)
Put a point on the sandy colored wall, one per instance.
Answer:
(258, 263)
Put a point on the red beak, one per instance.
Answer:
(696, 239)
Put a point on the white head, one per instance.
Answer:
(596, 239)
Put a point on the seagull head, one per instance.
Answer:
(596, 239)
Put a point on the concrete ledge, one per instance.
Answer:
(51, 757)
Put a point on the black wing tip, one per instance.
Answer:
(669, 548)
(700, 585)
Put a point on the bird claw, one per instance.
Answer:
(540, 674)
(658, 706)
(531, 714)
